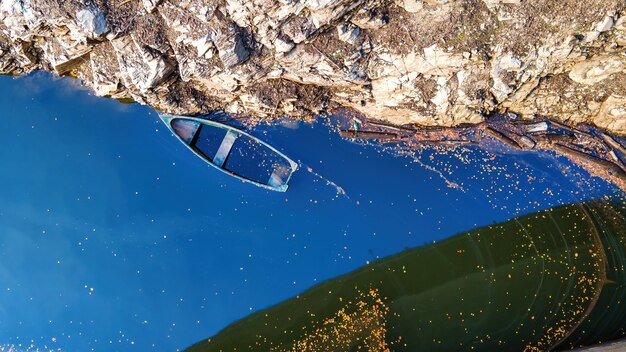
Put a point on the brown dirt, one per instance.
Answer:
(549, 16)
(456, 28)
(149, 29)
(328, 42)
(273, 93)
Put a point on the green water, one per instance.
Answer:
(550, 280)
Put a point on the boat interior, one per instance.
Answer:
(234, 152)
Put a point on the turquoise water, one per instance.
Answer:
(114, 237)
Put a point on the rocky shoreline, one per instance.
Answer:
(404, 62)
(407, 68)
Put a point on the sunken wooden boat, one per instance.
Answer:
(233, 151)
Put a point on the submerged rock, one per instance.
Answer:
(406, 61)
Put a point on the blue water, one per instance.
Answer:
(114, 237)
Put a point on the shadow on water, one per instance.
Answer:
(553, 279)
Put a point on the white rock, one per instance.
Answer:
(12, 7)
(233, 107)
(510, 63)
(92, 21)
(607, 23)
(461, 76)
(441, 100)
(140, 67)
(436, 2)
(591, 36)
(412, 6)
(368, 21)
(203, 45)
(318, 4)
(597, 69)
(230, 47)
(283, 45)
(612, 113)
(348, 33)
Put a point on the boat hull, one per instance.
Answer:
(186, 129)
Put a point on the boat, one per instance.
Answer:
(233, 152)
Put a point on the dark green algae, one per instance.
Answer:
(554, 279)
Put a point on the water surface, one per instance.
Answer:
(114, 237)
(552, 279)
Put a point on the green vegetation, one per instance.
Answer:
(526, 284)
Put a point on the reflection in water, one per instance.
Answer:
(552, 279)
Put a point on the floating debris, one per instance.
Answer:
(369, 134)
(502, 137)
(597, 152)
(536, 127)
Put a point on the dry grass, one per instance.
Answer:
(544, 18)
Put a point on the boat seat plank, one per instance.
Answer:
(225, 147)
(276, 179)
(186, 130)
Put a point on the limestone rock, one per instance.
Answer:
(607, 23)
(348, 33)
(92, 21)
(411, 6)
(142, 68)
(229, 43)
(430, 62)
(283, 45)
(597, 69)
